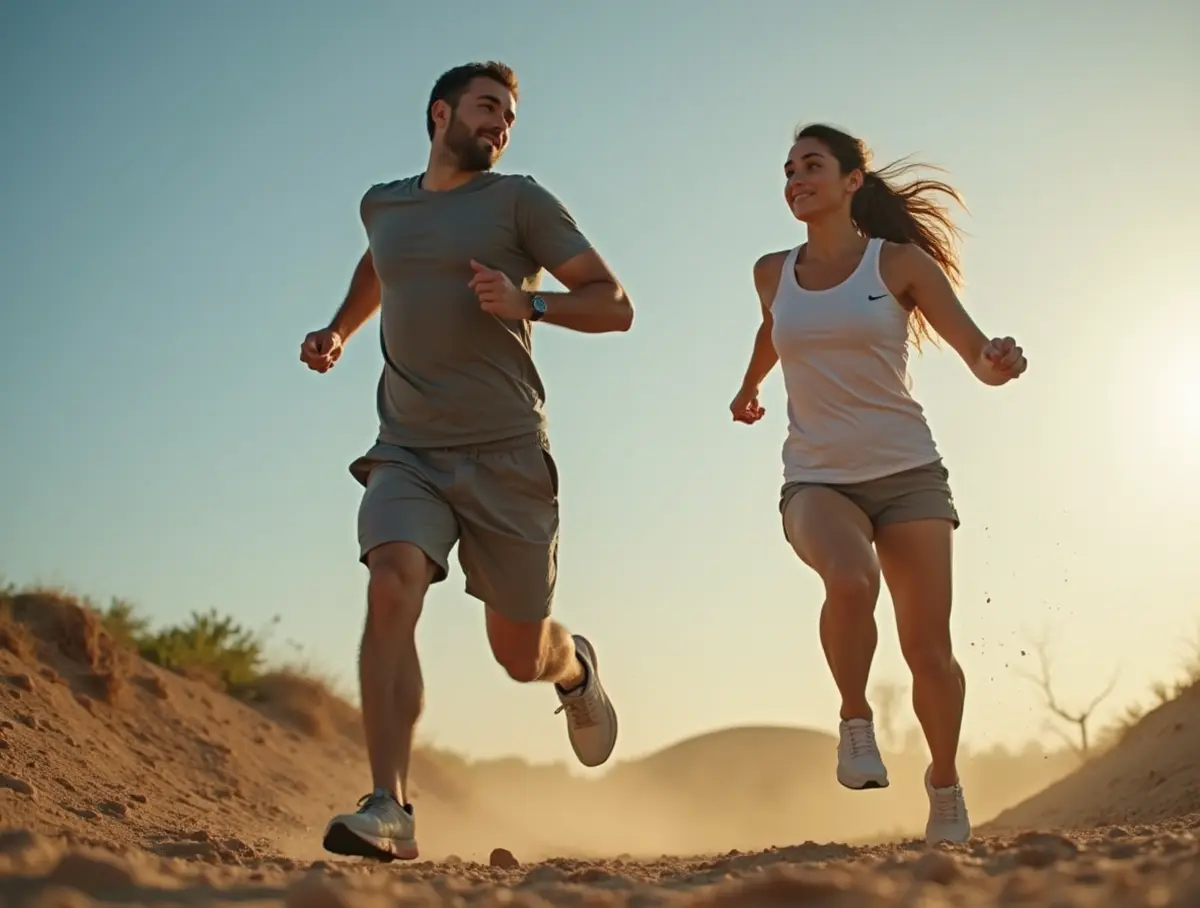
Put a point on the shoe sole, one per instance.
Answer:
(870, 784)
(612, 712)
(340, 839)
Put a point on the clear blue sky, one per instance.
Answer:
(179, 191)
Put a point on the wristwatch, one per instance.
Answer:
(538, 303)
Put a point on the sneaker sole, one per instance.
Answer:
(612, 712)
(340, 839)
(870, 784)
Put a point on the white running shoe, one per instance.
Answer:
(859, 765)
(948, 819)
(380, 829)
(591, 719)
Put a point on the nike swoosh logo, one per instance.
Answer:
(873, 298)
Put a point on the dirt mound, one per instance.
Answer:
(1151, 775)
(99, 744)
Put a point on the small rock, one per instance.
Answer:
(139, 798)
(4, 745)
(113, 808)
(92, 871)
(86, 702)
(544, 873)
(452, 859)
(65, 784)
(22, 681)
(13, 841)
(87, 813)
(503, 858)
(18, 785)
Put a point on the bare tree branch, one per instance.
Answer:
(1080, 718)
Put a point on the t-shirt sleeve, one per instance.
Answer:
(548, 232)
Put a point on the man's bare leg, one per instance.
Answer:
(545, 651)
(391, 686)
(392, 693)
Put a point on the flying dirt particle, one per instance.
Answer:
(503, 858)
(20, 786)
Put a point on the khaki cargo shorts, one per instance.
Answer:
(922, 493)
(498, 502)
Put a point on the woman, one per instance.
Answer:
(864, 485)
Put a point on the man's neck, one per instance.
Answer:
(442, 175)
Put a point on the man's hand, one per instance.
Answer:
(497, 294)
(321, 349)
(1000, 361)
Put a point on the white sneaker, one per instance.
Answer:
(948, 819)
(859, 765)
(380, 829)
(591, 719)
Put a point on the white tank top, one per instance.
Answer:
(844, 357)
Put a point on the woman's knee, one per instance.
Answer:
(930, 654)
(851, 583)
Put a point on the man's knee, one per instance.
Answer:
(519, 647)
(400, 575)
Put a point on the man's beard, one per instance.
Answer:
(471, 154)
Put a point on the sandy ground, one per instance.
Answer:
(124, 784)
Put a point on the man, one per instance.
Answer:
(454, 262)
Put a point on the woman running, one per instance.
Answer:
(864, 486)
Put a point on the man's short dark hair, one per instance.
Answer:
(451, 84)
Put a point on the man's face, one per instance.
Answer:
(478, 128)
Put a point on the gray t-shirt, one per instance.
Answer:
(454, 374)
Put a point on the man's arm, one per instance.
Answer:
(362, 299)
(595, 301)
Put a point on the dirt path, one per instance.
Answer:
(1144, 866)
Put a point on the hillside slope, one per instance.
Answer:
(1152, 775)
(96, 742)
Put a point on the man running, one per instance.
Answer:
(454, 262)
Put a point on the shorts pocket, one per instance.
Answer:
(551, 469)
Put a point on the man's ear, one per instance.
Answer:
(440, 112)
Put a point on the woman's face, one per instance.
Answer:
(815, 185)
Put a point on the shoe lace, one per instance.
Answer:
(862, 740)
(374, 799)
(579, 711)
(948, 804)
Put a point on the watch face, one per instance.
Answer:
(539, 306)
